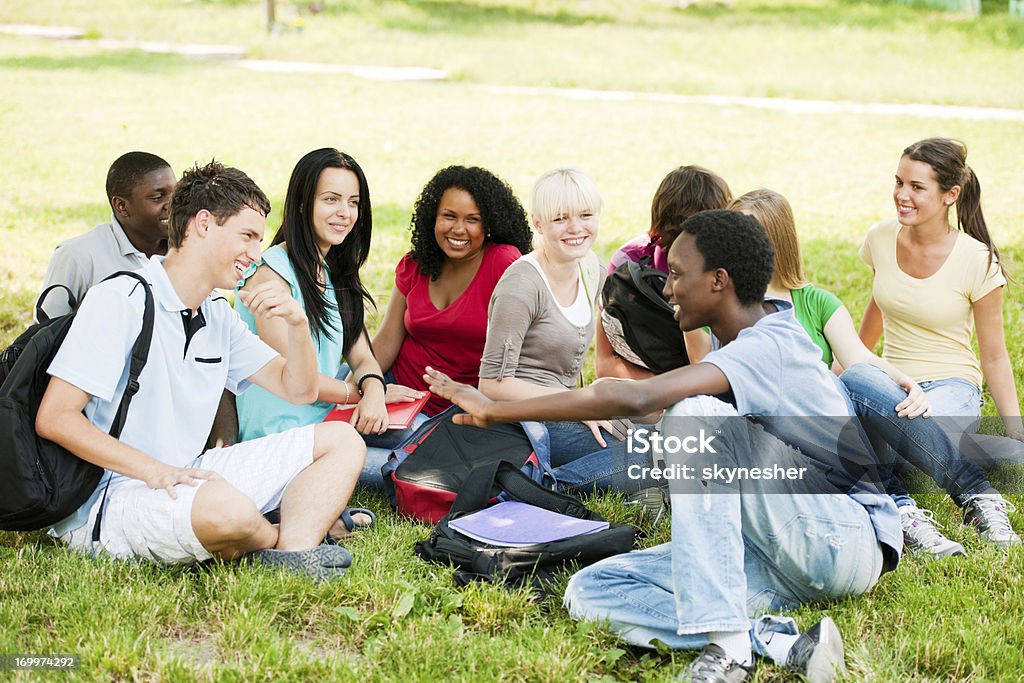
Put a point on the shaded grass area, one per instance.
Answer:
(395, 617)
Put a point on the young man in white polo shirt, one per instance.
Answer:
(139, 186)
(167, 500)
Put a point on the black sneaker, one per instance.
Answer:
(818, 653)
(712, 666)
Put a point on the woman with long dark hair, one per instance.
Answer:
(323, 242)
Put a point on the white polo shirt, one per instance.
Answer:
(82, 261)
(181, 385)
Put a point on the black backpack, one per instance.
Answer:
(532, 565)
(42, 483)
(638, 320)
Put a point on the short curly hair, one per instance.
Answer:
(739, 244)
(504, 219)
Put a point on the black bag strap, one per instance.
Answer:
(139, 356)
(641, 274)
(41, 315)
(478, 484)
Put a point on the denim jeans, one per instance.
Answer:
(379, 446)
(935, 445)
(581, 465)
(378, 449)
(733, 556)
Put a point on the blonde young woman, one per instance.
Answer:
(933, 282)
(541, 321)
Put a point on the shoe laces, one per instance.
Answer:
(994, 509)
(923, 526)
(710, 665)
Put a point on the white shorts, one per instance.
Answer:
(140, 522)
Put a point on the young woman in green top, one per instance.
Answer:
(819, 311)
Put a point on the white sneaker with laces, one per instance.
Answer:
(921, 534)
(988, 513)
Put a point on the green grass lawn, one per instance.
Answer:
(830, 49)
(67, 112)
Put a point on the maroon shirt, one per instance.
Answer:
(449, 340)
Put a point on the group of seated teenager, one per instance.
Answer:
(495, 311)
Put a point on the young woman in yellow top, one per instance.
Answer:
(933, 283)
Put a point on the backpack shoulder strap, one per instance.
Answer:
(139, 356)
(478, 484)
(646, 279)
(41, 315)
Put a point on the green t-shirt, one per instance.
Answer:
(813, 308)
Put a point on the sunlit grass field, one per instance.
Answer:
(67, 111)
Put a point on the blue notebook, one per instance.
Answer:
(514, 525)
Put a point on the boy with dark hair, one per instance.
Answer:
(139, 188)
(167, 500)
(736, 553)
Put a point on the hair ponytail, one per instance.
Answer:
(969, 216)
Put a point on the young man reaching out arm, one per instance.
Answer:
(735, 554)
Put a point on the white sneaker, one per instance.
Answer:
(987, 512)
(921, 534)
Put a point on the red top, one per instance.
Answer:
(449, 340)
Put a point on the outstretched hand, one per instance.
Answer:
(466, 397)
(916, 403)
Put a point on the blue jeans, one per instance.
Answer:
(733, 556)
(580, 464)
(379, 448)
(935, 445)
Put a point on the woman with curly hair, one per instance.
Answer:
(467, 228)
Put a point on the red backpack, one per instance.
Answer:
(424, 475)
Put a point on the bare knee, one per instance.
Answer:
(221, 514)
(338, 439)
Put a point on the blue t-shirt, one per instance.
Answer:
(775, 371)
(261, 412)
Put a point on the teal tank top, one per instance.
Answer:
(261, 412)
